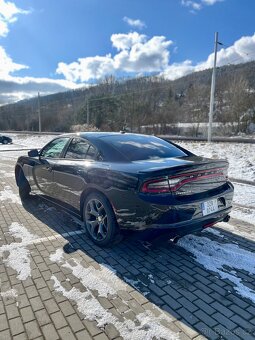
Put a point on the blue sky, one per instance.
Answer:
(52, 45)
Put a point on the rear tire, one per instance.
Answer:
(5, 141)
(24, 187)
(99, 220)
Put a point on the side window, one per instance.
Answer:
(92, 152)
(77, 149)
(54, 148)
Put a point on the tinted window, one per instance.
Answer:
(81, 149)
(77, 149)
(54, 148)
(137, 147)
(92, 152)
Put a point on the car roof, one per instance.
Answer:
(95, 135)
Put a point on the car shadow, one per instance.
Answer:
(166, 274)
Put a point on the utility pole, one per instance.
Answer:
(213, 88)
(133, 111)
(39, 114)
(87, 112)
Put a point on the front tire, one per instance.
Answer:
(5, 141)
(24, 187)
(99, 220)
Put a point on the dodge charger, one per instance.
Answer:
(116, 181)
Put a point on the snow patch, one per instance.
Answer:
(11, 293)
(6, 174)
(18, 257)
(237, 231)
(136, 284)
(151, 278)
(219, 258)
(244, 214)
(214, 232)
(8, 195)
(58, 256)
(149, 326)
(244, 194)
(103, 280)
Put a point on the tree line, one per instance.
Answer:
(114, 104)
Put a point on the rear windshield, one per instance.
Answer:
(139, 147)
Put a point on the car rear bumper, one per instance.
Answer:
(191, 226)
(183, 218)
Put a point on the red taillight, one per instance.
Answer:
(160, 185)
(156, 186)
(174, 183)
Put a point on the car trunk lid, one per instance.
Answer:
(184, 176)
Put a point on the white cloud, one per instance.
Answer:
(243, 50)
(137, 23)
(150, 56)
(178, 70)
(7, 66)
(87, 68)
(137, 54)
(124, 41)
(199, 4)
(210, 2)
(8, 15)
(192, 4)
(13, 88)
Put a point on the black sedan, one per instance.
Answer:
(120, 181)
(5, 139)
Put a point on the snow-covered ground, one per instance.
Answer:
(241, 156)
(26, 141)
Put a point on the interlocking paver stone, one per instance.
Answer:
(36, 303)
(42, 317)
(200, 305)
(67, 308)
(51, 306)
(49, 332)
(83, 335)
(16, 326)
(27, 314)
(75, 323)
(3, 322)
(66, 334)
(33, 330)
(6, 335)
(59, 320)
(12, 311)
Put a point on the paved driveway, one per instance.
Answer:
(56, 284)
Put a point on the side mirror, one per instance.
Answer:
(33, 153)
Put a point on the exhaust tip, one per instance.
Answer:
(176, 239)
(226, 219)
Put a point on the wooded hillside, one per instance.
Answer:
(132, 103)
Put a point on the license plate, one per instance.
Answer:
(209, 207)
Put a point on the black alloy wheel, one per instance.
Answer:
(99, 218)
